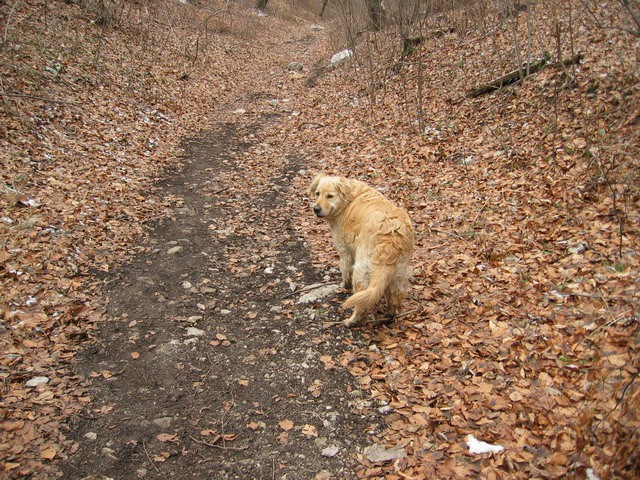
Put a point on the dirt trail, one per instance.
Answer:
(209, 367)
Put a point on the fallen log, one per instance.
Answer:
(517, 75)
(509, 78)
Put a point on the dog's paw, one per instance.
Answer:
(352, 321)
(391, 312)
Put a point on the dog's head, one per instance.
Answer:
(330, 195)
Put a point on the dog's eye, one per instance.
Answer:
(330, 195)
(318, 193)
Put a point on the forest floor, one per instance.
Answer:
(169, 302)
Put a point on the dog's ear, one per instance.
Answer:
(345, 189)
(314, 185)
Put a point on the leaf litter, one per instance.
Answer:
(525, 330)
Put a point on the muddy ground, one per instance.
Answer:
(210, 367)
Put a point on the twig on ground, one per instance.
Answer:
(381, 321)
(407, 313)
(480, 211)
(378, 321)
(144, 447)
(221, 447)
(387, 320)
(326, 325)
(306, 289)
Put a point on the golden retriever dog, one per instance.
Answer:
(374, 239)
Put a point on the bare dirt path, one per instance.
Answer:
(209, 367)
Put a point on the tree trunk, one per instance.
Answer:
(377, 14)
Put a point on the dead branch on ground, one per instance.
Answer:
(520, 74)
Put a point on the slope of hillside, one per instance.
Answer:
(524, 329)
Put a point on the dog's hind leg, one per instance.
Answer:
(356, 317)
(394, 301)
(397, 289)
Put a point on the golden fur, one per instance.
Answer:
(374, 239)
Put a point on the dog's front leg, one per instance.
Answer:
(346, 269)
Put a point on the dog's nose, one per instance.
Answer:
(317, 209)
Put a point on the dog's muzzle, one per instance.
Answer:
(317, 209)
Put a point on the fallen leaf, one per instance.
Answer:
(168, 437)
(618, 360)
(378, 453)
(497, 403)
(309, 431)
(328, 362)
(516, 396)
(286, 425)
(48, 453)
(315, 389)
(104, 408)
(161, 457)
(11, 426)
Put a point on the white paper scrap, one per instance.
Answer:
(591, 474)
(478, 447)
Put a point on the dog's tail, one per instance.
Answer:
(380, 279)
